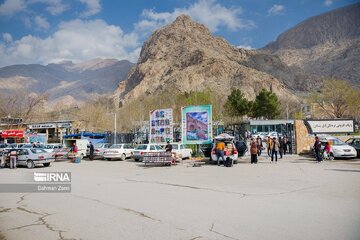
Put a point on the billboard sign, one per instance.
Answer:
(196, 124)
(12, 134)
(161, 126)
(331, 126)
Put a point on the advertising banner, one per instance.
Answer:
(161, 126)
(12, 134)
(196, 124)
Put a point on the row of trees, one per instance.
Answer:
(266, 105)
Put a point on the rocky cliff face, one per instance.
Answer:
(184, 57)
(66, 82)
(327, 45)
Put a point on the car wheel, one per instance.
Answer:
(46, 164)
(136, 160)
(30, 164)
(123, 157)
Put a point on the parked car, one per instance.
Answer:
(241, 147)
(262, 135)
(52, 147)
(30, 157)
(140, 150)
(273, 134)
(339, 148)
(99, 149)
(355, 143)
(182, 150)
(118, 151)
(230, 151)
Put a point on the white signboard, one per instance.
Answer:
(41, 126)
(331, 126)
(161, 125)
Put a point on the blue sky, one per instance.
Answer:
(45, 31)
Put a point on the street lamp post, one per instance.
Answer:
(115, 127)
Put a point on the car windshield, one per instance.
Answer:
(98, 145)
(38, 150)
(175, 146)
(141, 147)
(337, 142)
(48, 147)
(116, 146)
(158, 147)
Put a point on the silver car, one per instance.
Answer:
(142, 149)
(30, 157)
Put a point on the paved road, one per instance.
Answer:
(294, 199)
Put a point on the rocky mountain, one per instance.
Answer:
(326, 45)
(66, 82)
(184, 57)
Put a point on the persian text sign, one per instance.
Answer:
(12, 133)
(196, 122)
(161, 125)
(331, 126)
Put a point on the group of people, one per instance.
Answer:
(325, 154)
(274, 147)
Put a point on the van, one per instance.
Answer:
(80, 143)
(230, 151)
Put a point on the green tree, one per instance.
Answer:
(336, 99)
(237, 105)
(266, 105)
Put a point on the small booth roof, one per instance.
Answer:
(85, 134)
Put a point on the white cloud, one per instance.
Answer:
(276, 10)
(247, 47)
(92, 7)
(328, 2)
(7, 37)
(55, 7)
(210, 13)
(75, 40)
(41, 22)
(10, 7)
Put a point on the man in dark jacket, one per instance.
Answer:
(317, 147)
(168, 147)
(91, 151)
(282, 146)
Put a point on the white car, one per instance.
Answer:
(118, 151)
(339, 148)
(230, 151)
(182, 150)
(142, 149)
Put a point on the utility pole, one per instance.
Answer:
(115, 127)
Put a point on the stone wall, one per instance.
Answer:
(303, 140)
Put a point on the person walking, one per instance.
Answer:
(219, 150)
(282, 147)
(13, 158)
(317, 148)
(289, 145)
(91, 151)
(269, 145)
(274, 149)
(253, 151)
(259, 145)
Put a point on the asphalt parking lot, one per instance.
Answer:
(293, 199)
